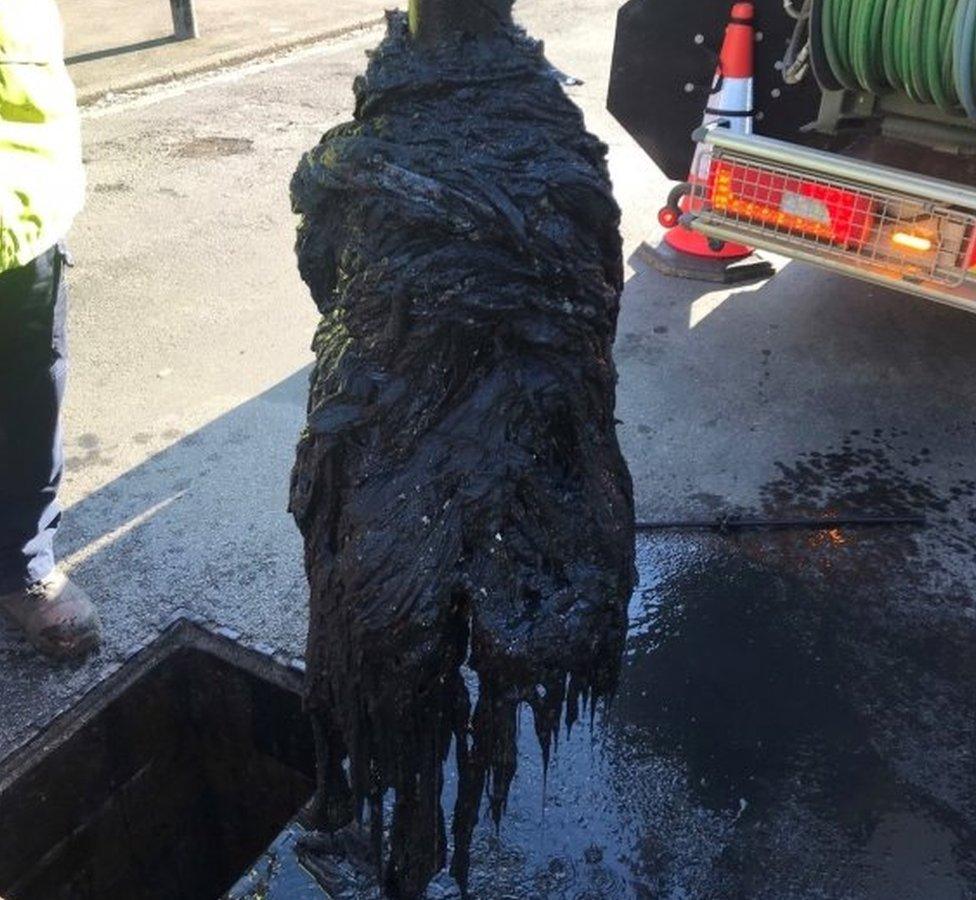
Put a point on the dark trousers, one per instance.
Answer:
(33, 370)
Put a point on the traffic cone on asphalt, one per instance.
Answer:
(686, 253)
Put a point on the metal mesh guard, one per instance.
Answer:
(899, 235)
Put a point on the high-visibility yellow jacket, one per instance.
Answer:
(42, 182)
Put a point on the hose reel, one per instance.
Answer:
(922, 49)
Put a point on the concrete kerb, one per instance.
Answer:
(90, 96)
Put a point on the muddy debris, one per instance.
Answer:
(459, 486)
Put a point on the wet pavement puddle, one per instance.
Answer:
(759, 746)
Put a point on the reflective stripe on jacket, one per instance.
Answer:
(42, 182)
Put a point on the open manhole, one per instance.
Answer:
(166, 782)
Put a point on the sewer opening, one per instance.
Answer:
(166, 782)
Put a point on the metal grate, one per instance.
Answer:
(901, 236)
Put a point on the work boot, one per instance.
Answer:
(56, 615)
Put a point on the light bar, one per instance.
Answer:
(869, 222)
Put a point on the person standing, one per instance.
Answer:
(42, 186)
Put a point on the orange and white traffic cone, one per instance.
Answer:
(686, 253)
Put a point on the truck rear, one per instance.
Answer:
(862, 157)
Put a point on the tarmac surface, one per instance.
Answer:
(797, 716)
(114, 45)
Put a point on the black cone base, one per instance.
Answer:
(669, 261)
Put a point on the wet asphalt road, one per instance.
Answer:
(788, 725)
(797, 712)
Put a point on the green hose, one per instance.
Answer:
(925, 49)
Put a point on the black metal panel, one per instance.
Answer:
(656, 56)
